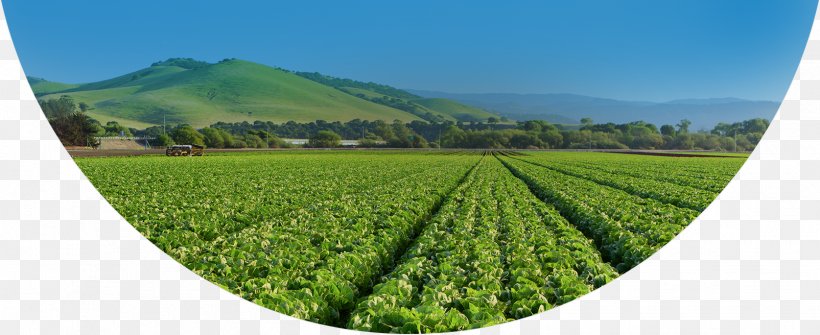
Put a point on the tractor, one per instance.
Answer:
(185, 150)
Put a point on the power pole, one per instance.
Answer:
(734, 137)
(440, 145)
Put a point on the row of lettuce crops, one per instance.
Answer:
(301, 234)
(621, 214)
(410, 242)
(708, 174)
(494, 252)
(675, 194)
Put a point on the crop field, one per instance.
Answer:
(410, 241)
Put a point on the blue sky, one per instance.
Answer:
(630, 49)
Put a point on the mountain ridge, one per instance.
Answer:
(570, 108)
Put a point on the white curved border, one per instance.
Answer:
(70, 264)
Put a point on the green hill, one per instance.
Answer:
(454, 109)
(378, 89)
(40, 85)
(428, 109)
(200, 94)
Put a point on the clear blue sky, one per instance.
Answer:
(628, 49)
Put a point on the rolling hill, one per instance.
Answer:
(229, 91)
(44, 86)
(183, 90)
(570, 108)
(455, 110)
(435, 109)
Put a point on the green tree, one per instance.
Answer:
(185, 134)
(112, 128)
(212, 138)
(683, 126)
(755, 126)
(744, 144)
(668, 130)
(254, 141)
(525, 141)
(684, 141)
(452, 137)
(383, 130)
(727, 144)
(163, 140)
(227, 139)
(722, 129)
(405, 137)
(552, 137)
(71, 126)
(647, 140)
(325, 139)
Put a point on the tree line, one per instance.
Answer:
(75, 128)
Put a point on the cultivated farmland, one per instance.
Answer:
(410, 242)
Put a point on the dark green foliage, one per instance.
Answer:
(325, 139)
(400, 136)
(534, 134)
(404, 105)
(185, 134)
(683, 126)
(218, 138)
(112, 128)
(668, 130)
(72, 126)
(254, 141)
(163, 140)
(370, 86)
(745, 134)
(185, 63)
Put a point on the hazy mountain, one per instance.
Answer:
(570, 108)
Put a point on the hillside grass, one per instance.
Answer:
(231, 91)
(447, 109)
(455, 110)
(39, 85)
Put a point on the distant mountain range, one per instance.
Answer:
(570, 108)
(184, 90)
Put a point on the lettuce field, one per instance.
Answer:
(410, 241)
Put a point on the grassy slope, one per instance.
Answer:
(39, 85)
(447, 108)
(372, 95)
(454, 109)
(366, 93)
(227, 92)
